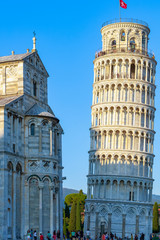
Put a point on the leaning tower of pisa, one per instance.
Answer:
(120, 181)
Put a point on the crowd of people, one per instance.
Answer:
(74, 235)
(111, 236)
(32, 235)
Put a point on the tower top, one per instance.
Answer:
(125, 20)
(34, 42)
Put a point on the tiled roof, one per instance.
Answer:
(6, 100)
(36, 110)
(16, 57)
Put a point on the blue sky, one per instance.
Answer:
(68, 34)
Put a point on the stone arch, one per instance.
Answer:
(47, 177)
(35, 177)
(103, 210)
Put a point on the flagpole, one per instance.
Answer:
(119, 11)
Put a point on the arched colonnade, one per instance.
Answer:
(131, 165)
(119, 189)
(127, 93)
(121, 68)
(123, 116)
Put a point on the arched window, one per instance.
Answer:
(126, 93)
(95, 146)
(124, 140)
(111, 117)
(131, 141)
(117, 140)
(99, 142)
(125, 117)
(97, 97)
(34, 89)
(32, 129)
(123, 36)
(113, 44)
(143, 95)
(110, 145)
(107, 94)
(132, 94)
(132, 44)
(132, 71)
(106, 117)
(118, 116)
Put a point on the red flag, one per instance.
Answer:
(123, 4)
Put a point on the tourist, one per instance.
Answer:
(28, 235)
(31, 234)
(107, 237)
(68, 234)
(35, 235)
(64, 237)
(77, 235)
(103, 236)
(131, 237)
(73, 235)
(41, 236)
(81, 235)
(136, 237)
(88, 234)
(54, 235)
(111, 236)
(58, 235)
(49, 235)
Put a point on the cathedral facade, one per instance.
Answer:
(30, 149)
(121, 154)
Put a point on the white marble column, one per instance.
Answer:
(14, 206)
(11, 129)
(26, 207)
(40, 207)
(138, 192)
(137, 224)
(111, 190)
(51, 137)
(147, 229)
(40, 138)
(22, 205)
(123, 225)
(105, 190)
(51, 209)
(17, 134)
(57, 212)
(118, 197)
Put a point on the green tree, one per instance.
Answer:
(78, 198)
(155, 218)
(64, 223)
(67, 212)
(72, 220)
(81, 197)
(78, 217)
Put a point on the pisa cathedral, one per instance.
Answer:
(30, 149)
(120, 180)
